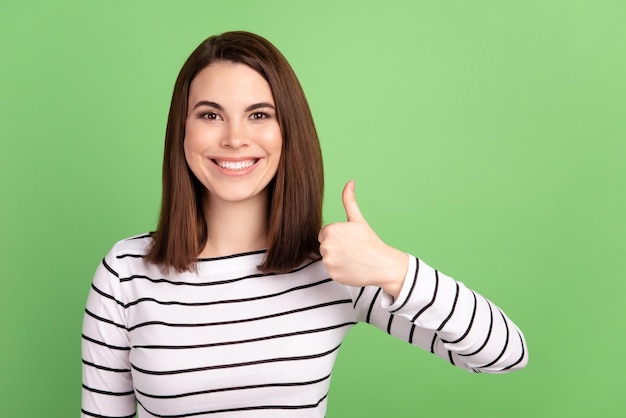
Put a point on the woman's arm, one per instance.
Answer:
(443, 316)
(412, 301)
(107, 383)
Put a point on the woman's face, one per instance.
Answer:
(232, 138)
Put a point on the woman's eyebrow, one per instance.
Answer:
(259, 106)
(208, 103)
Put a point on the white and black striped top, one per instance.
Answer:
(231, 341)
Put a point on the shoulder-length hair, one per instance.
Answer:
(296, 192)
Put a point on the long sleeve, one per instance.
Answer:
(228, 339)
(442, 315)
(107, 383)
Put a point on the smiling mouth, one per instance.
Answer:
(235, 165)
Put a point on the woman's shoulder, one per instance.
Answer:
(128, 256)
(136, 246)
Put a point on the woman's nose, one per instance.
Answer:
(234, 136)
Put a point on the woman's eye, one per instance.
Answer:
(209, 116)
(259, 115)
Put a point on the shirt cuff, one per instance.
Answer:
(387, 301)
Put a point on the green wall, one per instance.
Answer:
(486, 137)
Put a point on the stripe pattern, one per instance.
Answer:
(229, 341)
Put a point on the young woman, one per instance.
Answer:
(238, 303)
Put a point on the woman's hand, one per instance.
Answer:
(354, 255)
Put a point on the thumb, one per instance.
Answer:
(353, 213)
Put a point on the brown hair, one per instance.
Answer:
(297, 190)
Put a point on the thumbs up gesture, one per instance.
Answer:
(354, 255)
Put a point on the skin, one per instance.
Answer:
(233, 146)
(354, 255)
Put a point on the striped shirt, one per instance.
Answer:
(228, 340)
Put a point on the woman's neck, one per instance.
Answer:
(235, 227)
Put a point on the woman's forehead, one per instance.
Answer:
(230, 82)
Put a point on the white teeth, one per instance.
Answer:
(239, 165)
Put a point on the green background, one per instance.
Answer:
(486, 137)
